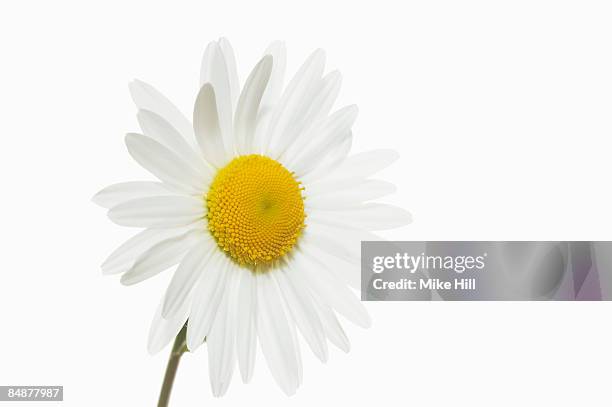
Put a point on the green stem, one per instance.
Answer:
(179, 347)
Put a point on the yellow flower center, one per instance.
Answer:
(255, 210)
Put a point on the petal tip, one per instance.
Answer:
(130, 138)
(394, 155)
(96, 199)
(319, 53)
(152, 349)
(246, 378)
(127, 279)
(408, 219)
(334, 76)
(289, 392)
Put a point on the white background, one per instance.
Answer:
(501, 113)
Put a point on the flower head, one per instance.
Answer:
(261, 207)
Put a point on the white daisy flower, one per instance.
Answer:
(261, 207)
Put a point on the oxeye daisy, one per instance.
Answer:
(260, 207)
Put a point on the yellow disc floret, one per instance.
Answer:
(255, 210)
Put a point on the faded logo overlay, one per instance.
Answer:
(471, 271)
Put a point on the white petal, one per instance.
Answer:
(296, 345)
(232, 71)
(163, 331)
(275, 85)
(161, 257)
(206, 125)
(370, 162)
(220, 341)
(325, 98)
(207, 295)
(275, 335)
(298, 119)
(316, 188)
(248, 105)
(164, 164)
(158, 211)
(358, 167)
(331, 160)
(350, 197)
(125, 191)
(293, 104)
(156, 127)
(368, 216)
(246, 337)
(123, 258)
(328, 134)
(342, 242)
(344, 270)
(147, 97)
(261, 133)
(301, 309)
(333, 329)
(319, 109)
(214, 71)
(186, 276)
(336, 294)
